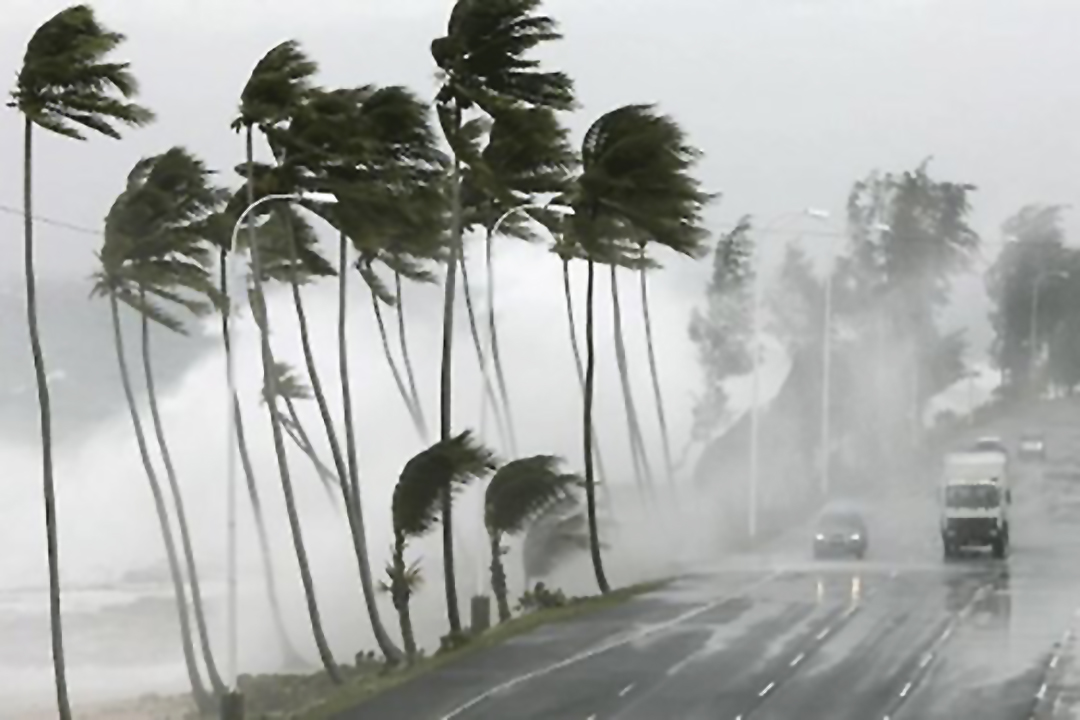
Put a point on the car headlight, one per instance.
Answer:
(819, 536)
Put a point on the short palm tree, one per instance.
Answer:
(519, 492)
(484, 65)
(154, 250)
(634, 182)
(445, 467)
(65, 85)
(277, 86)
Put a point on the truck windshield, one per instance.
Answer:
(972, 496)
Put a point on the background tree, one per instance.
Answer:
(558, 532)
(485, 67)
(520, 491)
(65, 86)
(445, 467)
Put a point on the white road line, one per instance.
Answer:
(906, 690)
(798, 659)
(587, 654)
(926, 659)
(591, 717)
(768, 687)
(1042, 692)
(821, 635)
(628, 688)
(1053, 662)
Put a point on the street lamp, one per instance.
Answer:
(756, 377)
(231, 479)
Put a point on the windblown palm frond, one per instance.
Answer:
(446, 465)
(289, 384)
(523, 489)
(155, 239)
(278, 83)
(484, 57)
(65, 85)
(635, 182)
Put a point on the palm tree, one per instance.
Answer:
(520, 491)
(560, 530)
(403, 340)
(484, 64)
(153, 247)
(443, 468)
(64, 84)
(634, 181)
(276, 87)
(406, 394)
(658, 396)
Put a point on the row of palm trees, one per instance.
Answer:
(405, 199)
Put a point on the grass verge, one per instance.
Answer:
(364, 686)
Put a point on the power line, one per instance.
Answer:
(49, 221)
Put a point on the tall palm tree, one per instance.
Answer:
(658, 397)
(485, 66)
(520, 491)
(278, 84)
(65, 84)
(375, 149)
(403, 341)
(634, 181)
(445, 467)
(407, 395)
(153, 247)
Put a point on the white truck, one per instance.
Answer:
(975, 499)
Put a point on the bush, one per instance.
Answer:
(541, 598)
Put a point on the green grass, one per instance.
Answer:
(366, 687)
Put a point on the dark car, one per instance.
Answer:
(840, 533)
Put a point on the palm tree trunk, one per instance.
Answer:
(669, 465)
(300, 437)
(642, 471)
(400, 591)
(505, 437)
(51, 530)
(262, 316)
(398, 381)
(581, 379)
(498, 577)
(181, 517)
(446, 396)
(403, 340)
(382, 638)
(500, 376)
(590, 484)
(290, 655)
(202, 699)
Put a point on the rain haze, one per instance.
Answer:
(791, 102)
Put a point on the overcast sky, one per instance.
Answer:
(791, 101)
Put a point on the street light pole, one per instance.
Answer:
(231, 476)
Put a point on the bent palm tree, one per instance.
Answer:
(642, 469)
(445, 467)
(520, 491)
(64, 83)
(154, 247)
(403, 341)
(484, 63)
(276, 87)
(658, 397)
(634, 181)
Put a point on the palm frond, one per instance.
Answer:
(413, 578)
(278, 83)
(523, 489)
(64, 83)
(289, 384)
(445, 466)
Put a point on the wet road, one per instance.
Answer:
(902, 635)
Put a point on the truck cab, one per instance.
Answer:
(975, 499)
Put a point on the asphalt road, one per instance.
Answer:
(773, 636)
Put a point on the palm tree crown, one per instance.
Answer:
(64, 85)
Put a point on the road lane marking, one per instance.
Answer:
(628, 688)
(926, 659)
(612, 645)
(1042, 692)
(906, 690)
(821, 635)
(768, 687)
(798, 659)
(1053, 662)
